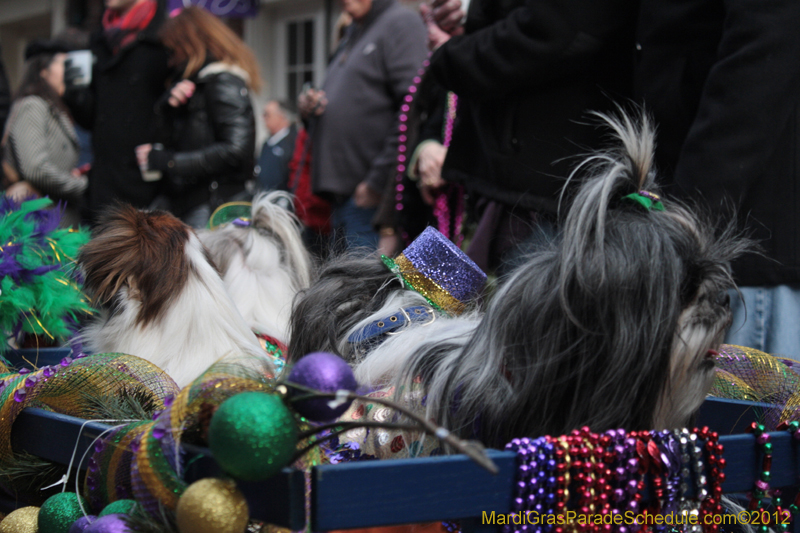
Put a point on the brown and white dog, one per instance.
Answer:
(263, 263)
(160, 296)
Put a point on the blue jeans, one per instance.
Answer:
(767, 319)
(352, 226)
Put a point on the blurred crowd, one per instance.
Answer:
(469, 116)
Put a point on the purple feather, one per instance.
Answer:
(7, 205)
(8, 262)
(28, 275)
(47, 220)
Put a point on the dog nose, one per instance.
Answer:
(724, 299)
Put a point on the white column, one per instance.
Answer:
(58, 16)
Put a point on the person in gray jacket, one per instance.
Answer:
(40, 144)
(353, 119)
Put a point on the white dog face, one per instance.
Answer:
(701, 331)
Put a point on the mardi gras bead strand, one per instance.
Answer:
(441, 208)
(615, 457)
(687, 506)
(711, 503)
(761, 490)
(402, 148)
(584, 474)
(794, 507)
(669, 451)
(563, 479)
(535, 482)
(605, 475)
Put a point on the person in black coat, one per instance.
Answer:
(128, 78)
(527, 73)
(722, 80)
(208, 117)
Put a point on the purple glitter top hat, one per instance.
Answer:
(437, 269)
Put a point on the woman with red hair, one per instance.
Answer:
(208, 119)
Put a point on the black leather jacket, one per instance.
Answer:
(209, 142)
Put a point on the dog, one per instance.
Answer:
(613, 324)
(351, 290)
(263, 263)
(359, 301)
(160, 296)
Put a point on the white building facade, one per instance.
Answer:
(292, 39)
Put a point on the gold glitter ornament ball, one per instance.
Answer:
(212, 506)
(24, 520)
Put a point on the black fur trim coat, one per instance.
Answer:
(527, 72)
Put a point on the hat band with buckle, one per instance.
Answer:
(390, 324)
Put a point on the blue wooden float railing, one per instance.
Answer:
(55, 437)
(374, 493)
(730, 417)
(36, 357)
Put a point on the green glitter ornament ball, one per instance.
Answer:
(59, 512)
(252, 436)
(119, 506)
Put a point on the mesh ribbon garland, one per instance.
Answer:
(153, 479)
(727, 385)
(749, 374)
(108, 476)
(791, 410)
(154, 471)
(64, 388)
(67, 388)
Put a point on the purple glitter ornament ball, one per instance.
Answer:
(111, 523)
(80, 525)
(324, 372)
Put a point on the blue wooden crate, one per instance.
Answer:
(730, 417)
(375, 493)
(32, 358)
(54, 437)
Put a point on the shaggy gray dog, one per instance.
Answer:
(614, 324)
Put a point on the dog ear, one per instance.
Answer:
(133, 289)
(143, 251)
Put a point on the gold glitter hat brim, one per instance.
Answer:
(413, 279)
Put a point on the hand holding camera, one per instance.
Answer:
(78, 68)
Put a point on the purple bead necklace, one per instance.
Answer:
(441, 208)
